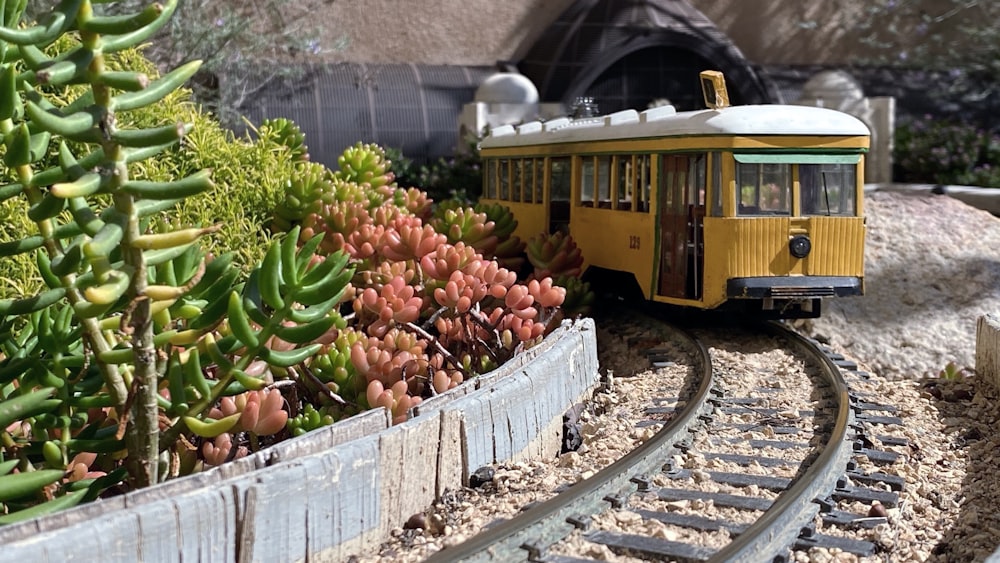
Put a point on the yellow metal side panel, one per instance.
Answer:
(617, 240)
(531, 218)
(755, 246)
(718, 234)
(838, 245)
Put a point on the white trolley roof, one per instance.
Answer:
(753, 120)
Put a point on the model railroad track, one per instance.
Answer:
(777, 514)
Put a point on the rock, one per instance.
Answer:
(481, 476)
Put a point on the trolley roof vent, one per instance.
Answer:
(586, 122)
(529, 127)
(621, 117)
(584, 106)
(557, 123)
(657, 113)
(502, 131)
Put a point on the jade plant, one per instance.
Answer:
(128, 354)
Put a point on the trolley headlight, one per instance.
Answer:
(799, 246)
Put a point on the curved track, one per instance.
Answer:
(782, 522)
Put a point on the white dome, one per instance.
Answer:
(833, 87)
(507, 88)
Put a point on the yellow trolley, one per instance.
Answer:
(755, 207)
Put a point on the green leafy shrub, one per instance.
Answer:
(935, 151)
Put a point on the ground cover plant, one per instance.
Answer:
(942, 151)
(146, 349)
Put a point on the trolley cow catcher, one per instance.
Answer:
(757, 208)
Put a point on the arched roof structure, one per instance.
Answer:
(627, 53)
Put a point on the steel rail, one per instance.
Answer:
(777, 529)
(547, 522)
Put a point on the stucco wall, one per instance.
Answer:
(787, 32)
(480, 32)
(460, 32)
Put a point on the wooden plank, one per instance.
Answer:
(158, 538)
(274, 525)
(476, 431)
(328, 437)
(238, 467)
(338, 491)
(452, 465)
(435, 403)
(514, 422)
(207, 525)
(113, 538)
(172, 489)
(314, 504)
(518, 362)
(988, 349)
(60, 520)
(342, 507)
(408, 455)
(30, 549)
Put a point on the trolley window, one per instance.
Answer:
(631, 181)
(539, 165)
(516, 185)
(595, 181)
(827, 183)
(765, 188)
(644, 185)
(696, 172)
(828, 189)
(716, 184)
(529, 180)
(560, 180)
(504, 179)
(491, 178)
(603, 181)
(587, 182)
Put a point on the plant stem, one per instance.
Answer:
(143, 432)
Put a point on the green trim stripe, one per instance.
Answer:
(796, 158)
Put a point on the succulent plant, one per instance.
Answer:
(447, 258)
(285, 133)
(509, 251)
(467, 226)
(304, 194)
(554, 255)
(395, 303)
(579, 297)
(365, 164)
(309, 419)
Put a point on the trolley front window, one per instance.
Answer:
(765, 188)
(805, 184)
(828, 189)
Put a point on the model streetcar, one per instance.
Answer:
(757, 207)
